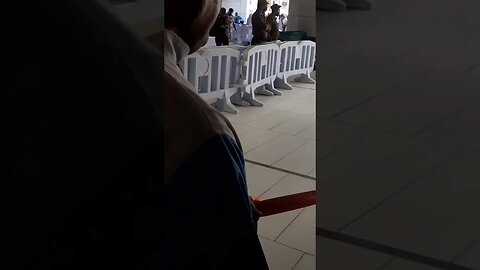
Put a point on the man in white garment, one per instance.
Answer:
(210, 218)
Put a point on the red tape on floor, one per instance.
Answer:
(285, 203)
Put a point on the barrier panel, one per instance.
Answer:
(259, 71)
(214, 72)
(296, 58)
(235, 74)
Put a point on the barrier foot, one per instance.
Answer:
(263, 91)
(221, 105)
(238, 100)
(282, 84)
(250, 98)
(270, 88)
(304, 78)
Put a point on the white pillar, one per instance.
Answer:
(302, 16)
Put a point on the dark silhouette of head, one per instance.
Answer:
(192, 24)
(223, 11)
(275, 9)
(262, 5)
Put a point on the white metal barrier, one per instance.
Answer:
(234, 74)
(214, 72)
(259, 71)
(296, 58)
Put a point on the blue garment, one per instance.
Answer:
(237, 19)
(209, 212)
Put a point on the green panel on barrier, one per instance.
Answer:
(292, 35)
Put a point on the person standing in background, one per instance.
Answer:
(272, 22)
(260, 28)
(222, 28)
(237, 19)
(231, 24)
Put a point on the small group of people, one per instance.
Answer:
(222, 28)
(265, 28)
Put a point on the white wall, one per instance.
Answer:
(145, 16)
(302, 16)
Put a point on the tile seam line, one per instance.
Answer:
(281, 170)
(388, 250)
(411, 183)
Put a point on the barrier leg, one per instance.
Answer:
(270, 87)
(249, 96)
(282, 84)
(224, 104)
(263, 91)
(305, 78)
(238, 100)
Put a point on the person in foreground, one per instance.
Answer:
(210, 217)
(81, 177)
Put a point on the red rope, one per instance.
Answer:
(285, 203)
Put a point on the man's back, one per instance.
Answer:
(259, 27)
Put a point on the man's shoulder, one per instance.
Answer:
(184, 104)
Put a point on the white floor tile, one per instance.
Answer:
(308, 133)
(307, 262)
(471, 258)
(260, 179)
(365, 80)
(307, 110)
(248, 165)
(275, 149)
(248, 114)
(272, 120)
(302, 160)
(256, 138)
(413, 107)
(296, 125)
(401, 264)
(336, 255)
(370, 170)
(301, 233)
(279, 257)
(333, 136)
(459, 57)
(435, 217)
(290, 185)
(461, 129)
(289, 104)
(242, 129)
(272, 226)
